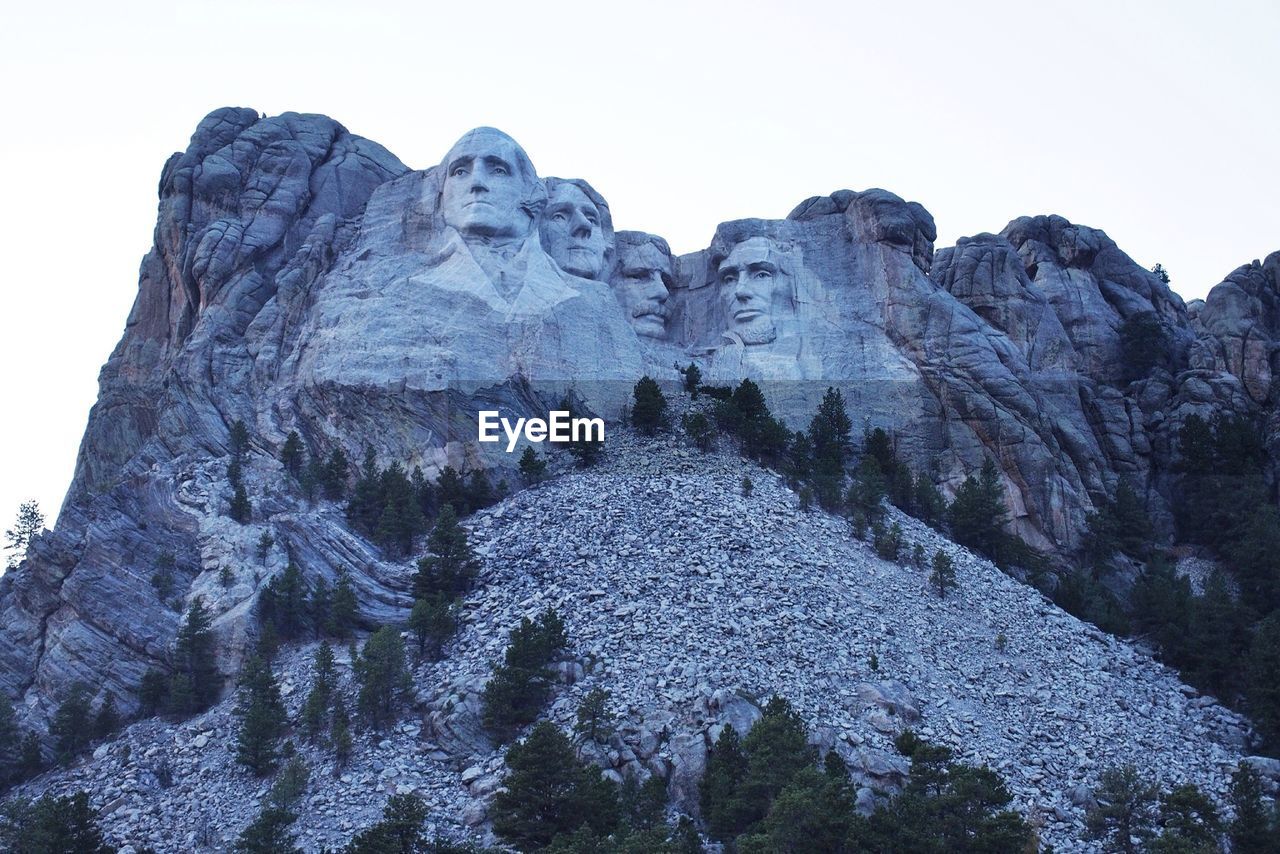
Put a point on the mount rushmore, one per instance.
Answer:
(303, 279)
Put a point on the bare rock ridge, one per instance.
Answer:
(303, 279)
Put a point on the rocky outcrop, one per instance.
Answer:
(692, 605)
(303, 279)
(1239, 324)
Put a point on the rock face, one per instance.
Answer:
(693, 605)
(303, 279)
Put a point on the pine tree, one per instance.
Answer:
(1217, 639)
(698, 428)
(928, 502)
(1262, 679)
(333, 479)
(977, 515)
(424, 492)
(585, 450)
(340, 733)
(747, 416)
(548, 791)
(522, 683)
(367, 503)
(532, 467)
(829, 435)
(747, 487)
(318, 701)
(1144, 345)
(399, 832)
(241, 508)
(1250, 831)
(432, 622)
(29, 524)
(692, 379)
(270, 833)
(401, 519)
(107, 720)
(291, 454)
(345, 612)
(265, 542)
(480, 493)
(866, 495)
(262, 717)
(719, 787)
(71, 724)
(1189, 822)
(1254, 553)
(312, 716)
(312, 478)
(776, 749)
(649, 410)
(32, 761)
(291, 782)
(594, 721)
(284, 603)
(320, 606)
(450, 570)
(195, 669)
(239, 438)
(1125, 810)
(152, 692)
(452, 490)
(65, 825)
(382, 675)
(944, 573)
(887, 542)
(10, 741)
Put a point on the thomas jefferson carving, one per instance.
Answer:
(576, 228)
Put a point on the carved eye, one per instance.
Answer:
(728, 278)
(458, 171)
(558, 216)
(500, 170)
(763, 274)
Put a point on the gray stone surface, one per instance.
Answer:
(711, 604)
(302, 278)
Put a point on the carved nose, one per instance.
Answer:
(580, 227)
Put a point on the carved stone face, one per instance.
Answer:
(573, 233)
(641, 286)
(749, 279)
(485, 186)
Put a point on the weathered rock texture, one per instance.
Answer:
(303, 279)
(692, 605)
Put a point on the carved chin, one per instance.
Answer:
(758, 331)
(650, 326)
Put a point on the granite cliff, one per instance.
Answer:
(303, 279)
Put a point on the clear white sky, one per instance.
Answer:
(1156, 121)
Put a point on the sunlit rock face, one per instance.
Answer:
(304, 279)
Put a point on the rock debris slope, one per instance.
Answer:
(692, 604)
